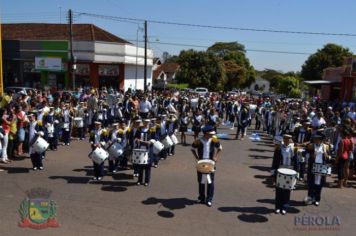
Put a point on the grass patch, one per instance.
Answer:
(178, 86)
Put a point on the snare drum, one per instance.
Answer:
(286, 178)
(140, 156)
(167, 142)
(99, 155)
(78, 122)
(174, 139)
(205, 166)
(321, 169)
(66, 126)
(50, 130)
(157, 147)
(115, 150)
(194, 102)
(39, 145)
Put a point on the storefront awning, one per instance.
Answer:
(321, 82)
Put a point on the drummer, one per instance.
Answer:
(135, 128)
(206, 148)
(35, 130)
(172, 128)
(317, 152)
(142, 141)
(96, 140)
(113, 161)
(283, 157)
(302, 137)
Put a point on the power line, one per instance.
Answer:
(217, 27)
(248, 49)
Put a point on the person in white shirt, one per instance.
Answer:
(144, 108)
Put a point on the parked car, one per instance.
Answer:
(201, 91)
(18, 91)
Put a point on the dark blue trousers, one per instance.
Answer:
(282, 198)
(98, 170)
(210, 188)
(36, 160)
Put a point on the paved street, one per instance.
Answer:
(243, 202)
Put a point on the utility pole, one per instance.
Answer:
(145, 67)
(72, 59)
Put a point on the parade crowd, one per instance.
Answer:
(136, 130)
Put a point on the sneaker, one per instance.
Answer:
(284, 212)
(155, 166)
(95, 178)
(209, 204)
(100, 178)
(146, 184)
(200, 201)
(277, 211)
(316, 203)
(138, 183)
(114, 171)
(67, 144)
(34, 168)
(41, 167)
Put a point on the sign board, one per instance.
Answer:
(48, 63)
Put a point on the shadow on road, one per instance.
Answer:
(73, 179)
(249, 214)
(292, 204)
(169, 204)
(261, 168)
(260, 157)
(267, 180)
(16, 170)
(259, 150)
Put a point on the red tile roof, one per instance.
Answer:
(166, 68)
(41, 31)
(170, 67)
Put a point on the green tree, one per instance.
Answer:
(329, 55)
(201, 69)
(239, 71)
(289, 85)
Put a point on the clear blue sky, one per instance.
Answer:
(293, 15)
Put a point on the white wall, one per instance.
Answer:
(104, 52)
(130, 76)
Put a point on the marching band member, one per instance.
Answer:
(123, 135)
(80, 113)
(161, 130)
(172, 127)
(208, 147)
(302, 137)
(142, 141)
(67, 120)
(197, 121)
(317, 152)
(49, 121)
(183, 126)
(212, 119)
(134, 130)
(35, 129)
(156, 136)
(97, 139)
(113, 162)
(283, 156)
(242, 121)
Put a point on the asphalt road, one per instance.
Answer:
(243, 202)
